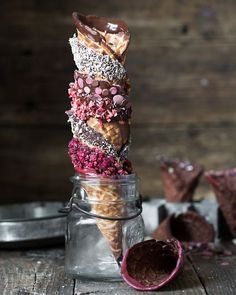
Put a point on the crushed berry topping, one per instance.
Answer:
(86, 159)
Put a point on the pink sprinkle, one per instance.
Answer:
(113, 90)
(207, 253)
(81, 83)
(227, 253)
(224, 263)
(89, 80)
(87, 89)
(98, 90)
(76, 74)
(96, 96)
(118, 99)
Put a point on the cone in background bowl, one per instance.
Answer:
(186, 227)
(110, 229)
(179, 179)
(224, 185)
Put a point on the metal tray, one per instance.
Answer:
(30, 225)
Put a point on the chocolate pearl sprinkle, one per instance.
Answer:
(80, 83)
(105, 92)
(89, 80)
(113, 90)
(118, 99)
(98, 90)
(87, 89)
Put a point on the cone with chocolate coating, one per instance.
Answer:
(105, 36)
(117, 132)
(223, 183)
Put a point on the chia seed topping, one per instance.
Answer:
(92, 63)
(82, 131)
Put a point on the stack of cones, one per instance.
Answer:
(100, 115)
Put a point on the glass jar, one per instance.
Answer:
(103, 221)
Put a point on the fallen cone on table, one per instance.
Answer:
(152, 264)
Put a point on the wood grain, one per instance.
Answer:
(186, 283)
(182, 65)
(41, 272)
(37, 166)
(34, 272)
(217, 274)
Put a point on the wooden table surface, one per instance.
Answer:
(42, 272)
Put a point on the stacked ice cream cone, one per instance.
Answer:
(100, 115)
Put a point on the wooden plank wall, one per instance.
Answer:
(182, 65)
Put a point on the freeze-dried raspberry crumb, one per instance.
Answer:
(86, 159)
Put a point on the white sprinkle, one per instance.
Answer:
(93, 63)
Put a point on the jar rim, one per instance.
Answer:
(104, 179)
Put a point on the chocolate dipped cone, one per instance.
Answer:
(105, 36)
(224, 185)
(117, 132)
(186, 227)
(179, 179)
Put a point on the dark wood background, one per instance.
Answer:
(182, 64)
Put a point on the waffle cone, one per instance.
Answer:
(105, 202)
(98, 37)
(116, 133)
(121, 43)
(101, 48)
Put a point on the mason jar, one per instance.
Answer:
(104, 220)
